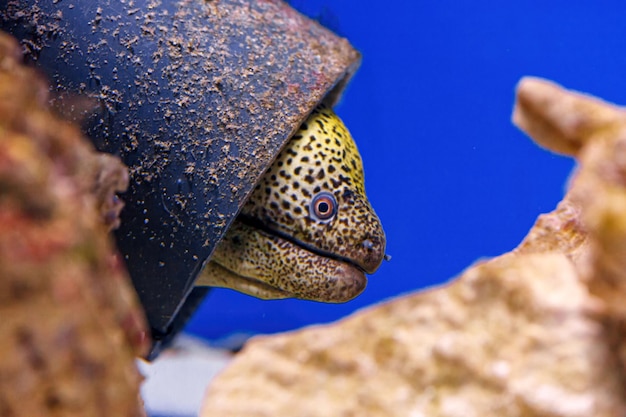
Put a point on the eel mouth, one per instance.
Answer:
(335, 282)
(367, 267)
(348, 282)
(258, 261)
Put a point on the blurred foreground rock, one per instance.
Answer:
(70, 324)
(536, 332)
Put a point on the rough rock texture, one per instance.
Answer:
(70, 324)
(595, 133)
(536, 332)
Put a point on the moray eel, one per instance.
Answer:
(307, 231)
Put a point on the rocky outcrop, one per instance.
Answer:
(70, 323)
(535, 332)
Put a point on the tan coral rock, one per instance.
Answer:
(561, 120)
(537, 332)
(561, 231)
(517, 336)
(70, 323)
(598, 190)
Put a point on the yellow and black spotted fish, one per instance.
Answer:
(308, 230)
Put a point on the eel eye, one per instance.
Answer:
(324, 206)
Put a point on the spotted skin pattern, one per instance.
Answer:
(308, 230)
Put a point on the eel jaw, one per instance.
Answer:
(267, 266)
(215, 275)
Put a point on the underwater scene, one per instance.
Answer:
(312, 208)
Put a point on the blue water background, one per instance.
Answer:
(451, 178)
